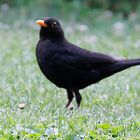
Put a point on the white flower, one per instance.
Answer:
(51, 131)
(21, 105)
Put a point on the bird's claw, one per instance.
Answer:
(70, 107)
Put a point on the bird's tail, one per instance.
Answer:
(119, 66)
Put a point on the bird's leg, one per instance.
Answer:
(70, 97)
(78, 97)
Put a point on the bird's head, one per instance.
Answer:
(50, 28)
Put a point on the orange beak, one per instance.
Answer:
(41, 23)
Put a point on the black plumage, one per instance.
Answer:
(70, 67)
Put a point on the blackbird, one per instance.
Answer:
(70, 67)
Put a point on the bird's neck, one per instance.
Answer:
(51, 36)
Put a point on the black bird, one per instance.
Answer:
(70, 67)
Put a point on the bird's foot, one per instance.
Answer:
(70, 107)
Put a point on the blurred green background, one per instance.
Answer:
(68, 9)
(110, 110)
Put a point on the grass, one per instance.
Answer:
(109, 109)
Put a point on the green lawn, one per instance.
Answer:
(110, 109)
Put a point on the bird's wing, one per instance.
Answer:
(83, 59)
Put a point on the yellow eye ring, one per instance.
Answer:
(54, 24)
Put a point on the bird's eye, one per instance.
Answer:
(54, 24)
